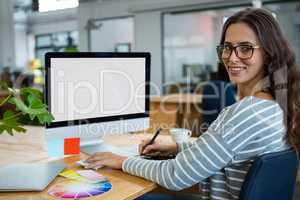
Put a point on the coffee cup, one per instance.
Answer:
(180, 135)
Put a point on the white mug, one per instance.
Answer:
(180, 135)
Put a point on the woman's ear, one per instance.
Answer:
(267, 62)
(266, 70)
(267, 58)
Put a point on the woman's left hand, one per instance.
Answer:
(107, 159)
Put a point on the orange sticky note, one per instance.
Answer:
(71, 146)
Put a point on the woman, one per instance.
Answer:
(265, 119)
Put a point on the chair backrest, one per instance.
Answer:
(272, 176)
(216, 96)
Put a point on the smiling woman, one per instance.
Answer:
(245, 65)
(265, 119)
(271, 68)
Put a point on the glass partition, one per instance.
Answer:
(288, 16)
(190, 38)
(61, 41)
(189, 47)
(111, 35)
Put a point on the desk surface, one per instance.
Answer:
(30, 147)
(176, 110)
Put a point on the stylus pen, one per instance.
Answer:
(154, 137)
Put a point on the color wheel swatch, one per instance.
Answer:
(80, 184)
(77, 189)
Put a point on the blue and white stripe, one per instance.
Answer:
(220, 158)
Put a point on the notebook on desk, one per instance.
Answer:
(128, 151)
(28, 177)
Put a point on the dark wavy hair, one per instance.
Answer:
(282, 75)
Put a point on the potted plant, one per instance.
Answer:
(16, 104)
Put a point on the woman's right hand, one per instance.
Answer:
(158, 148)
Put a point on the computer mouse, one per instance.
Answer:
(85, 164)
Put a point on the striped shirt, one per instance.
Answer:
(220, 158)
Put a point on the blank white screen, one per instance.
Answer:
(83, 88)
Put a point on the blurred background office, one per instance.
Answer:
(181, 35)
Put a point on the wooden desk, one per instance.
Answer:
(30, 147)
(176, 110)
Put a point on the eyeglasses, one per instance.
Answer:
(242, 51)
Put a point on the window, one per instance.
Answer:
(189, 45)
(288, 16)
(63, 41)
(50, 5)
(111, 35)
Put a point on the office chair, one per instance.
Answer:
(272, 176)
(216, 96)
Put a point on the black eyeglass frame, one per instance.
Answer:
(234, 48)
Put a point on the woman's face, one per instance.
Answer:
(243, 71)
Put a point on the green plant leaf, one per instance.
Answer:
(10, 123)
(24, 108)
(28, 102)
(3, 85)
(36, 108)
(35, 102)
(45, 118)
(31, 91)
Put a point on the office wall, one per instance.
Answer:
(148, 38)
(290, 24)
(48, 22)
(53, 21)
(189, 39)
(147, 23)
(18, 30)
(108, 34)
(7, 44)
(58, 26)
(21, 46)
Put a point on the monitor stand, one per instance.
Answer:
(91, 146)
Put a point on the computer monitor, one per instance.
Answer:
(94, 94)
